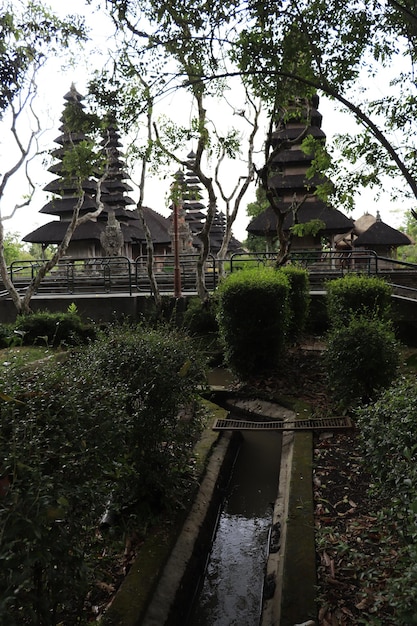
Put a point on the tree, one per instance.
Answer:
(13, 248)
(160, 36)
(255, 243)
(29, 31)
(286, 53)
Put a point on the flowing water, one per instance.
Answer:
(231, 592)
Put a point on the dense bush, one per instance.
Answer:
(54, 329)
(355, 295)
(6, 336)
(387, 429)
(200, 317)
(361, 359)
(114, 422)
(253, 319)
(299, 300)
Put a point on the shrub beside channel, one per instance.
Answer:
(109, 429)
(362, 354)
(254, 319)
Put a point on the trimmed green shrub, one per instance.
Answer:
(115, 422)
(361, 359)
(253, 319)
(54, 329)
(299, 300)
(355, 295)
(388, 431)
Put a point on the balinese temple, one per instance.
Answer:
(117, 230)
(195, 213)
(289, 181)
(372, 233)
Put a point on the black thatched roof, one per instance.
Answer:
(295, 182)
(157, 224)
(291, 157)
(266, 223)
(295, 133)
(53, 232)
(65, 206)
(380, 234)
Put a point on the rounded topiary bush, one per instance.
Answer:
(253, 319)
(361, 359)
(357, 295)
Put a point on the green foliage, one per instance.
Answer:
(28, 31)
(260, 205)
(6, 334)
(54, 329)
(200, 317)
(37, 252)
(253, 319)
(81, 160)
(14, 249)
(312, 227)
(113, 422)
(355, 295)
(299, 300)
(387, 428)
(361, 359)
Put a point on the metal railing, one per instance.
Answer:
(121, 274)
(77, 275)
(163, 268)
(320, 261)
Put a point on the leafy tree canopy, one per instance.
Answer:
(29, 33)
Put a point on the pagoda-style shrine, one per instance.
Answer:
(117, 230)
(194, 213)
(288, 179)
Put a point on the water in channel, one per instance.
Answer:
(231, 592)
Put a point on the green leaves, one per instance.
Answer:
(29, 32)
(116, 421)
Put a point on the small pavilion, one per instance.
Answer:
(374, 234)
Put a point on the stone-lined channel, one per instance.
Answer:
(231, 589)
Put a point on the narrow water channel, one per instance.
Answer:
(231, 591)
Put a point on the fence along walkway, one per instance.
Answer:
(122, 275)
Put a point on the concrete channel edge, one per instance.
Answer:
(290, 581)
(289, 596)
(165, 569)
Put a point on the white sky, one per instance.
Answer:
(55, 83)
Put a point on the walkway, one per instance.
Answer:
(122, 275)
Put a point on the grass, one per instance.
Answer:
(17, 357)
